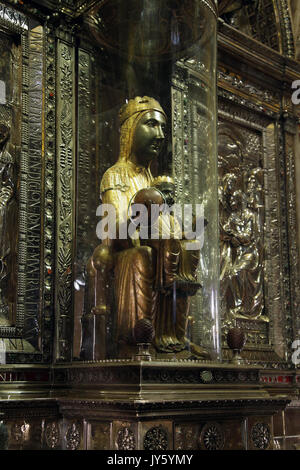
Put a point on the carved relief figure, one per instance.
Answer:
(241, 237)
(142, 272)
(7, 188)
(249, 263)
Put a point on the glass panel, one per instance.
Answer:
(156, 62)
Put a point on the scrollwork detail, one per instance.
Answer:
(73, 437)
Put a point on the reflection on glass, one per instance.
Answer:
(165, 51)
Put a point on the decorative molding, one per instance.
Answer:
(286, 28)
(77, 376)
(34, 375)
(102, 375)
(284, 214)
(11, 22)
(254, 91)
(218, 376)
(277, 379)
(49, 192)
(293, 325)
(241, 103)
(13, 18)
(65, 199)
(31, 174)
(76, 408)
(88, 174)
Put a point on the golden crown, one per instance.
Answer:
(137, 105)
(163, 179)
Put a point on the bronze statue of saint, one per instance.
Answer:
(142, 272)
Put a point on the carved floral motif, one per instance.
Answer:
(261, 435)
(73, 437)
(212, 437)
(52, 435)
(156, 439)
(125, 439)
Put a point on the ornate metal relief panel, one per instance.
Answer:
(292, 266)
(86, 162)
(49, 192)
(11, 17)
(10, 112)
(33, 185)
(241, 228)
(254, 144)
(65, 198)
(193, 176)
(23, 111)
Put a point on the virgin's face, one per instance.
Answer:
(149, 136)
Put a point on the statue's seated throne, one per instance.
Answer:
(136, 279)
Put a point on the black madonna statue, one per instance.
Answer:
(152, 279)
